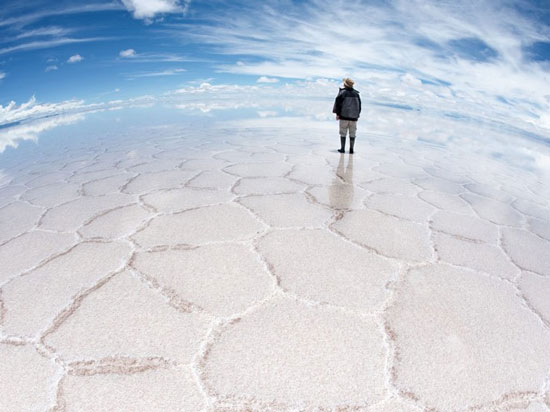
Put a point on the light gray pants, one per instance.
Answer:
(346, 125)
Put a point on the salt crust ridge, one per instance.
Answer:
(339, 352)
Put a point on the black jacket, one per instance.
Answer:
(347, 104)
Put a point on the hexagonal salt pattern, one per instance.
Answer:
(273, 209)
(27, 378)
(320, 266)
(125, 317)
(527, 250)
(387, 235)
(465, 226)
(478, 256)
(18, 218)
(199, 226)
(206, 278)
(153, 389)
(536, 289)
(31, 306)
(157, 272)
(291, 354)
(451, 347)
(38, 247)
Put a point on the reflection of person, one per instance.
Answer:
(347, 107)
(340, 193)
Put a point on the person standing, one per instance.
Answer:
(347, 107)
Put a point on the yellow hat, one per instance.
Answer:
(348, 82)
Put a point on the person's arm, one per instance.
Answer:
(359, 97)
(337, 108)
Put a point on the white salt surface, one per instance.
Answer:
(27, 378)
(161, 389)
(256, 269)
(459, 341)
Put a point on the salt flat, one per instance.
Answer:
(256, 269)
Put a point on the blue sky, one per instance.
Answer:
(477, 52)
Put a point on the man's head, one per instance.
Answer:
(348, 82)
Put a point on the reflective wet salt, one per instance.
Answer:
(254, 268)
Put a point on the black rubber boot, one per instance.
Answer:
(351, 144)
(342, 144)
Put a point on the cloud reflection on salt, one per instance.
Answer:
(423, 187)
(425, 119)
(13, 135)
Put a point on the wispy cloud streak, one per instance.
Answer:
(44, 44)
(130, 55)
(51, 31)
(169, 72)
(28, 18)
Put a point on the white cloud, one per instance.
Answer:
(411, 80)
(53, 31)
(75, 59)
(32, 110)
(265, 79)
(127, 53)
(148, 9)
(169, 72)
(2, 75)
(130, 55)
(13, 113)
(25, 19)
(162, 57)
(46, 44)
(385, 40)
(51, 68)
(267, 113)
(11, 136)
